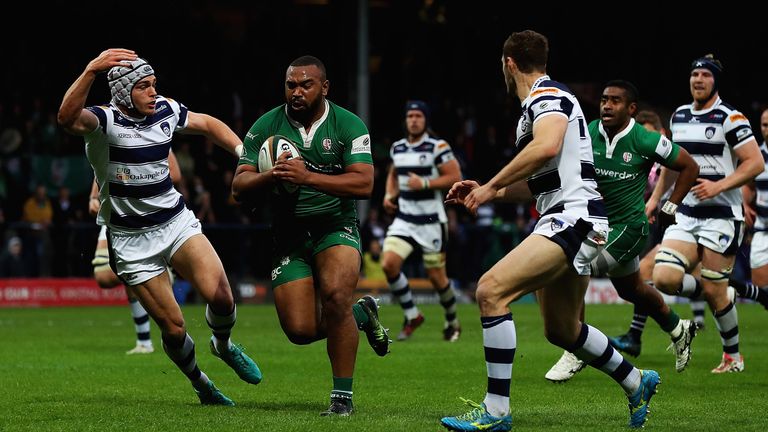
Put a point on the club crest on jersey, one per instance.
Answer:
(327, 143)
(724, 240)
(555, 224)
(166, 128)
(627, 157)
(709, 132)
(422, 159)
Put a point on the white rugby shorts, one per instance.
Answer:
(141, 256)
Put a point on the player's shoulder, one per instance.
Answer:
(641, 133)
(343, 115)
(270, 117)
(731, 114)
(550, 87)
(594, 126)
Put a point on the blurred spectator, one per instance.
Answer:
(11, 262)
(38, 209)
(202, 203)
(373, 228)
(372, 269)
(38, 212)
(185, 159)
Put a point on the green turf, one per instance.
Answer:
(65, 369)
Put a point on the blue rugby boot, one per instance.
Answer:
(641, 398)
(245, 368)
(213, 396)
(477, 419)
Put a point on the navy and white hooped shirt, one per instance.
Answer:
(129, 157)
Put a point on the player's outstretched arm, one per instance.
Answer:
(72, 117)
(215, 130)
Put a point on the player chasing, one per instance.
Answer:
(148, 225)
(554, 155)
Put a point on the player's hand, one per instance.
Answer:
(750, 214)
(459, 191)
(111, 58)
(291, 170)
(415, 182)
(650, 209)
(706, 189)
(93, 206)
(390, 204)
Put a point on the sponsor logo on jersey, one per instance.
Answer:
(124, 174)
(621, 175)
(736, 117)
(122, 135)
(250, 135)
(627, 157)
(361, 145)
(285, 260)
(543, 90)
(166, 128)
(709, 132)
(743, 133)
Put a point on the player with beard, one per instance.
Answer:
(317, 255)
(709, 223)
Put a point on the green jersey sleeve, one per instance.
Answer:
(355, 135)
(658, 148)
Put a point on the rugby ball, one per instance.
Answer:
(271, 150)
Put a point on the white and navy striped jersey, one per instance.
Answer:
(421, 158)
(711, 136)
(566, 183)
(129, 157)
(761, 201)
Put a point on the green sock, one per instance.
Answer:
(342, 386)
(669, 322)
(361, 318)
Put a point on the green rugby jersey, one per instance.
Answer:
(623, 166)
(338, 139)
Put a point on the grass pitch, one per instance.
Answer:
(65, 369)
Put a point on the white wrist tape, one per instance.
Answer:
(669, 208)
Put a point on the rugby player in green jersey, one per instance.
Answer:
(316, 260)
(624, 153)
